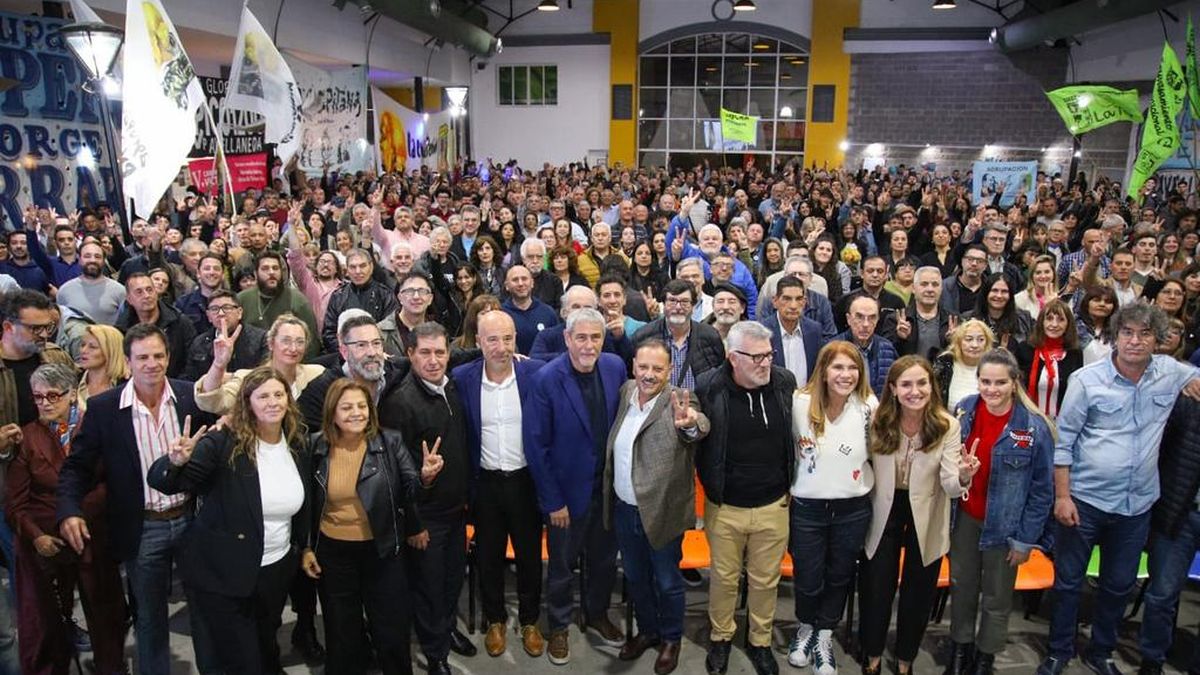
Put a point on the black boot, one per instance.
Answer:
(984, 663)
(304, 639)
(960, 658)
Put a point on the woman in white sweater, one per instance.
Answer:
(830, 509)
(287, 341)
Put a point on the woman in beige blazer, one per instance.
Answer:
(919, 467)
(287, 341)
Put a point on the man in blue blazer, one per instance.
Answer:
(798, 351)
(503, 500)
(126, 429)
(576, 399)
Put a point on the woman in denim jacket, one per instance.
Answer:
(1002, 516)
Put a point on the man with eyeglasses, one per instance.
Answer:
(744, 464)
(959, 293)
(249, 351)
(360, 346)
(415, 294)
(1106, 478)
(695, 347)
(359, 291)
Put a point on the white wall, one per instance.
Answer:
(536, 134)
(920, 14)
(1129, 50)
(577, 19)
(662, 15)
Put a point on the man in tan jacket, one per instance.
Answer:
(649, 497)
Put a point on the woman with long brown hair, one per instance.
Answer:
(242, 549)
(916, 450)
(1050, 356)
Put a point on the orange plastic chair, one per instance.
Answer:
(1037, 574)
(785, 568)
(699, 498)
(509, 554)
(696, 554)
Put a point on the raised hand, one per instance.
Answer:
(10, 435)
(903, 326)
(432, 462)
(224, 342)
(181, 450)
(968, 464)
(685, 416)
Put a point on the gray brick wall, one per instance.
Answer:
(960, 101)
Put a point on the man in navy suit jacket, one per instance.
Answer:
(503, 497)
(576, 397)
(550, 343)
(789, 318)
(125, 430)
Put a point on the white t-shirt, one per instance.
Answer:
(835, 465)
(964, 382)
(282, 496)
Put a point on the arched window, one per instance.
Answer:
(683, 83)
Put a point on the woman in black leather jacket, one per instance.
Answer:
(363, 508)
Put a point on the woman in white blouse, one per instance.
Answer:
(916, 450)
(954, 369)
(830, 508)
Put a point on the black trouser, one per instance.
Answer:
(304, 599)
(355, 579)
(506, 506)
(436, 578)
(243, 629)
(877, 580)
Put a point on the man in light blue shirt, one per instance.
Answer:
(1110, 425)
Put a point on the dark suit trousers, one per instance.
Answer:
(436, 578)
(243, 629)
(45, 597)
(506, 506)
(585, 534)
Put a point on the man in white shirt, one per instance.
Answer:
(494, 391)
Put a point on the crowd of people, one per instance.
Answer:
(337, 393)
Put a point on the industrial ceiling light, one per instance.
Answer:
(548, 6)
(95, 45)
(944, 4)
(744, 6)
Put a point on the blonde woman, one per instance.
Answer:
(955, 367)
(287, 341)
(102, 360)
(1041, 288)
(916, 451)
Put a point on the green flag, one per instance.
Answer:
(738, 127)
(1084, 108)
(1193, 78)
(1160, 134)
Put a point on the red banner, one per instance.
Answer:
(246, 172)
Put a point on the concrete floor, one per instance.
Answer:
(1027, 643)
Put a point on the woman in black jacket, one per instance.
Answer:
(363, 509)
(241, 551)
(1047, 360)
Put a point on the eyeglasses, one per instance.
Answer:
(362, 344)
(50, 397)
(223, 309)
(420, 292)
(979, 260)
(298, 343)
(678, 302)
(43, 329)
(758, 359)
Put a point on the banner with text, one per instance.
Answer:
(52, 137)
(1087, 107)
(738, 127)
(243, 129)
(245, 172)
(407, 140)
(1008, 179)
(334, 136)
(1160, 133)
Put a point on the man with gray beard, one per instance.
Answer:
(728, 308)
(360, 344)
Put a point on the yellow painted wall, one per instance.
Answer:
(830, 65)
(404, 96)
(619, 18)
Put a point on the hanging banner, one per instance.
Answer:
(1008, 179)
(243, 130)
(262, 82)
(52, 138)
(1160, 134)
(334, 111)
(245, 171)
(738, 127)
(1086, 107)
(407, 140)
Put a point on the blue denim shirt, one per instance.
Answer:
(1109, 430)
(1020, 492)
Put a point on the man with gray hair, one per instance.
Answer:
(923, 327)
(1110, 426)
(550, 343)
(359, 291)
(745, 475)
(576, 395)
(405, 232)
(710, 240)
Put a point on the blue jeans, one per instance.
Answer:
(1121, 539)
(1170, 559)
(655, 582)
(824, 540)
(585, 534)
(150, 583)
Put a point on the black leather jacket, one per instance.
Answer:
(387, 487)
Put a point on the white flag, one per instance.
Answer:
(260, 81)
(161, 95)
(83, 13)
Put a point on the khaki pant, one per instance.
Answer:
(756, 539)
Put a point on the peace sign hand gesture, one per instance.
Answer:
(224, 342)
(968, 464)
(685, 416)
(181, 449)
(432, 462)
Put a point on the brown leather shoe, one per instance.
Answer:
(532, 640)
(609, 633)
(633, 648)
(495, 640)
(668, 658)
(559, 650)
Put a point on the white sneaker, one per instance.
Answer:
(801, 649)
(822, 656)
